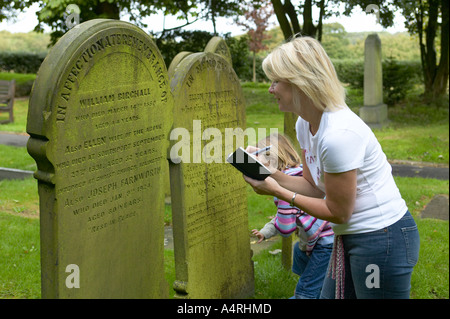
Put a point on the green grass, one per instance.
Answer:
(19, 242)
(20, 117)
(19, 262)
(16, 157)
(19, 197)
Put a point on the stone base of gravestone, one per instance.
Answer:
(437, 208)
(375, 116)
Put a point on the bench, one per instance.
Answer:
(7, 91)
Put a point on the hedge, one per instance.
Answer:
(20, 62)
(399, 77)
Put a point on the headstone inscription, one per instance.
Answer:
(209, 199)
(374, 111)
(99, 119)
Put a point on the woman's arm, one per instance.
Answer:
(304, 186)
(338, 205)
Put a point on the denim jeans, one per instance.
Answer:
(311, 269)
(379, 264)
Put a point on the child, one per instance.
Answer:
(313, 250)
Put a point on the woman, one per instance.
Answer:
(346, 179)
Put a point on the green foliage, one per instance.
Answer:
(399, 78)
(350, 72)
(20, 62)
(31, 42)
(173, 42)
(340, 44)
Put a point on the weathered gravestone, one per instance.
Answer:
(99, 119)
(209, 201)
(374, 111)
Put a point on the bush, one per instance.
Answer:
(399, 78)
(350, 72)
(21, 62)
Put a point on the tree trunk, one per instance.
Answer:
(320, 23)
(282, 19)
(442, 74)
(308, 25)
(435, 76)
(292, 13)
(106, 10)
(254, 67)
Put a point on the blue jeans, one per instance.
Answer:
(379, 264)
(311, 269)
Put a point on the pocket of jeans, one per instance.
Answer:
(412, 242)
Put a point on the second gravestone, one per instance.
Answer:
(209, 196)
(99, 119)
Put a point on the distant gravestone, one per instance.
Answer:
(374, 111)
(209, 196)
(99, 119)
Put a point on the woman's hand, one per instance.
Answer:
(269, 186)
(263, 158)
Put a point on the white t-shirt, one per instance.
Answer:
(343, 143)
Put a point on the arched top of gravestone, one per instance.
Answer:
(176, 60)
(218, 46)
(373, 39)
(195, 63)
(78, 47)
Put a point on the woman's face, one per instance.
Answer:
(282, 91)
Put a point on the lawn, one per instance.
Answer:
(409, 136)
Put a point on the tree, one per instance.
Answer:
(422, 19)
(287, 16)
(52, 12)
(220, 8)
(256, 22)
(9, 9)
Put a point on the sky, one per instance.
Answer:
(359, 21)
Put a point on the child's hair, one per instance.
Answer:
(282, 151)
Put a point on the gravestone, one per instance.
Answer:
(209, 196)
(99, 119)
(374, 111)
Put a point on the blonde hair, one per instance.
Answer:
(282, 151)
(304, 63)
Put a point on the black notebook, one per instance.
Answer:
(248, 164)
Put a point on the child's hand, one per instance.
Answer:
(258, 234)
